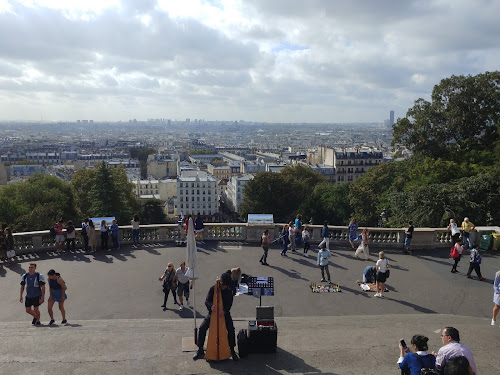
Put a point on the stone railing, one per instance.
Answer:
(423, 238)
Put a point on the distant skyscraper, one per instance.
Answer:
(391, 118)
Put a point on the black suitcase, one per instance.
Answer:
(263, 339)
(242, 341)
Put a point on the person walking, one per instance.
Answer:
(70, 235)
(382, 269)
(415, 362)
(455, 231)
(305, 238)
(409, 236)
(169, 279)
(57, 293)
(285, 237)
(362, 251)
(323, 256)
(467, 228)
(183, 285)
(104, 229)
(496, 298)
(85, 234)
(223, 283)
(353, 232)
(135, 222)
(265, 242)
(325, 233)
(115, 235)
(456, 254)
(34, 282)
(92, 236)
(475, 263)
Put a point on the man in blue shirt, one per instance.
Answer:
(35, 292)
(115, 234)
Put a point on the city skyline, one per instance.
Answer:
(280, 61)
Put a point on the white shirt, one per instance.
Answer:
(382, 265)
(454, 228)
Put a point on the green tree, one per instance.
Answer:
(462, 117)
(328, 202)
(37, 203)
(152, 212)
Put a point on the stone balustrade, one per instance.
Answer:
(423, 238)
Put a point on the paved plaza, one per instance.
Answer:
(118, 327)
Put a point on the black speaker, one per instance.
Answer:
(262, 339)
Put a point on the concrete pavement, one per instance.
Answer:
(119, 327)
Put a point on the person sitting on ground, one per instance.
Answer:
(452, 348)
(458, 366)
(369, 274)
(414, 362)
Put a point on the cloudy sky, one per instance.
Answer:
(255, 60)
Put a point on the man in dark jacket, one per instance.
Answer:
(227, 302)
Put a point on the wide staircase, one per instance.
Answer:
(360, 344)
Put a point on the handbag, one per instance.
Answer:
(11, 254)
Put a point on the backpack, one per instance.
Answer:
(477, 257)
(52, 231)
(37, 278)
(84, 229)
(431, 370)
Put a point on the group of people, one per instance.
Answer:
(34, 284)
(453, 358)
(89, 236)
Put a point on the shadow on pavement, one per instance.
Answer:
(293, 275)
(273, 363)
(412, 305)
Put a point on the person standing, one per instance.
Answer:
(169, 279)
(265, 241)
(104, 235)
(135, 229)
(325, 233)
(115, 235)
(92, 236)
(291, 236)
(382, 268)
(70, 235)
(467, 229)
(183, 285)
(85, 233)
(227, 302)
(286, 240)
(57, 293)
(475, 263)
(305, 239)
(455, 232)
(456, 254)
(496, 298)
(34, 282)
(452, 348)
(58, 227)
(353, 232)
(298, 230)
(409, 236)
(323, 256)
(198, 227)
(3, 246)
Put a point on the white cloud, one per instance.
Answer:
(280, 60)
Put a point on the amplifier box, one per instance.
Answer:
(265, 313)
(263, 339)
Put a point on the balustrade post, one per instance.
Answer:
(163, 234)
(37, 242)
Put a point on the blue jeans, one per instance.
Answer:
(466, 238)
(135, 236)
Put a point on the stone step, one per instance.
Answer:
(324, 344)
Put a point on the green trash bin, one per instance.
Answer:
(496, 241)
(485, 242)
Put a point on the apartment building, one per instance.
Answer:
(197, 193)
(234, 191)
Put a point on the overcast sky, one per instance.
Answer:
(259, 60)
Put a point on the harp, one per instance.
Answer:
(218, 343)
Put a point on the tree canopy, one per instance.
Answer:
(460, 121)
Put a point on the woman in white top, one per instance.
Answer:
(455, 231)
(135, 229)
(382, 268)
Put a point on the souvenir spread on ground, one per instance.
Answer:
(369, 287)
(324, 288)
